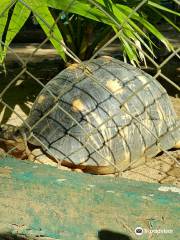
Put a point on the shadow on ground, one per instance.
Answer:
(10, 236)
(24, 88)
(102, 235)
(110, 235)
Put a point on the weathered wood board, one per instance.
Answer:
(45, 203)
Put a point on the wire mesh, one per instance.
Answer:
(101, 142)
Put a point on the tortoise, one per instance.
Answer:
(101, 116)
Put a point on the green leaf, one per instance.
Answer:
(166, 19)
(48, 24)
(157, 34)
(119, 13)
(19, 17)
(124, 12)
(98, 13)
(160, 7)
(131, 30)
(82, 8)
(151, 28)
(5, 5)
(128, 49)
(105, 11)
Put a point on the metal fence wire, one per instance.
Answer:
(82, 117)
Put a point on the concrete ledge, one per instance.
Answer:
(42, 201)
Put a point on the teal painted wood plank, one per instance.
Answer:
(39, 200)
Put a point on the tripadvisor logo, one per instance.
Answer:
(139, 231)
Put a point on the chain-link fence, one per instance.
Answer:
(100, 115)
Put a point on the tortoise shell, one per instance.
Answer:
(103, 112)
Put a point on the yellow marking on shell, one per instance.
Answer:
(107, 160)
(143, 79)
(104, 130)
(73, 66)
(162, 118)
(125, 136)
(177, 145)
(99, 121)
(41, 99)
(127, 156)
(105, 133)
(78, 105)
(114, 86)
(143, 148)
(107, 58)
